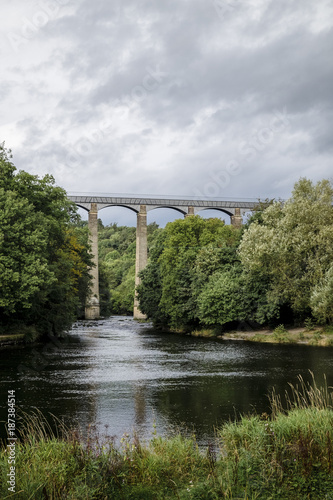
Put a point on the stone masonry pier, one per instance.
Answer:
(142, 205)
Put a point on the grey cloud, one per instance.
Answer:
(224, 77)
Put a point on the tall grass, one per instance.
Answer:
(288, 454)
(303, 395)
(285, 455)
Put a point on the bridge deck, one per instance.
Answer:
(162, 202)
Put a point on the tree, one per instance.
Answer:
(186, 254)
(221, 300)
(24, 267)
(150, 290)
(292, 246)
(184, 239)
(43, 265)
(257, 211)
(321, 300)
(233, 295)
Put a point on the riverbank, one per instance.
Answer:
(314, 336)
(283, 456)
(322, 336)
(10, 340)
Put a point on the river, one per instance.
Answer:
(123, 375)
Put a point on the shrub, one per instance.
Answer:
(280, 334)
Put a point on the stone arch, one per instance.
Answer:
(135, 210)
(120, 214)
(223, 210)
(82, 206)
(224, 215)
(169, 207)
(167, 214)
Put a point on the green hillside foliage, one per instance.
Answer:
(44, 256)
(117, 247)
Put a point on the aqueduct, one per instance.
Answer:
(142, 205)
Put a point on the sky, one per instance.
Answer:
(205, 98)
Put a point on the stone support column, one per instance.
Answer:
(237, 219)
(141, 255)
(190, 211)
(92, 310)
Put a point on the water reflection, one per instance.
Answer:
(126, 375)
(140, 397)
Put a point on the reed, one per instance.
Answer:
(289, 453)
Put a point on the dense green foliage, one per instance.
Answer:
(195, 277)
(117, 247)
(44, 258)
(277, 268)
(293, 248)
(117, 268)
(283, 456)
(184, 255)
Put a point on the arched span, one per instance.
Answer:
(122, 206)
(81, 206)
(216, 208)
(183, 212)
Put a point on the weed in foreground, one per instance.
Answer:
(289, 454)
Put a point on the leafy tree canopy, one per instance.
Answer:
(43, 263)
(293, 246)
(187, 252)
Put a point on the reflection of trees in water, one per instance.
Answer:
(205, 404)
(207, 401)
(47, 386)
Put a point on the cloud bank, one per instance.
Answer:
(218, 98)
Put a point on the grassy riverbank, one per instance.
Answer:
(312, 335)
(286, 455)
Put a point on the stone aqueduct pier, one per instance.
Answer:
(185, 206)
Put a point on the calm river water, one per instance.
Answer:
(125, 375)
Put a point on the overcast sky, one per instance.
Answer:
(220, 98)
